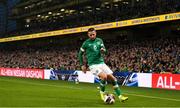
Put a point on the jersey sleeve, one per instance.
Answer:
(80, 54)
(83, 47)
(102, 45)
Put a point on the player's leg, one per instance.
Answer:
(116, 88)
(115, 84)
(103, 79)
(96, 70)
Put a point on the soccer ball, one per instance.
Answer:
(109, 99)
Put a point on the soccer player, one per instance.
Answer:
(94, 49)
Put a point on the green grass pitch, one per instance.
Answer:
(19, 92)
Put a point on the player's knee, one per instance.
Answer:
(103, 76)
(112, 78)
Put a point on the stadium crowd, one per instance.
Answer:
(148, 56)
(161, 55)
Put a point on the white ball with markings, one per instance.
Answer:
(109, 99)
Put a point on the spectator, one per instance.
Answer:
(149, 56)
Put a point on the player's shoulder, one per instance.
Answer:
(86, 41)
(98, 39)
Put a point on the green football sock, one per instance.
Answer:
(102, 85)
(116, 88)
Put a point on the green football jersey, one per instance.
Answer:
(92, 51)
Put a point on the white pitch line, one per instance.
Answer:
(128, 93)
(24, 82)
(146, 96)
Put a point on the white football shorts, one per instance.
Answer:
(98, 68)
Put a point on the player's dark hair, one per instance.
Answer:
(91, 29)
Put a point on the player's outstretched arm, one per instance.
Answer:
(80, 57)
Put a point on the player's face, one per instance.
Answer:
(92, 35)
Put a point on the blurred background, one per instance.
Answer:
(141, 48)
(30, 16)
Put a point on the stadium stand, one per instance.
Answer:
(155, 55)
(34, 15)
(148, 55)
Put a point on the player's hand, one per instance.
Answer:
(102, 50)
(84, 68)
